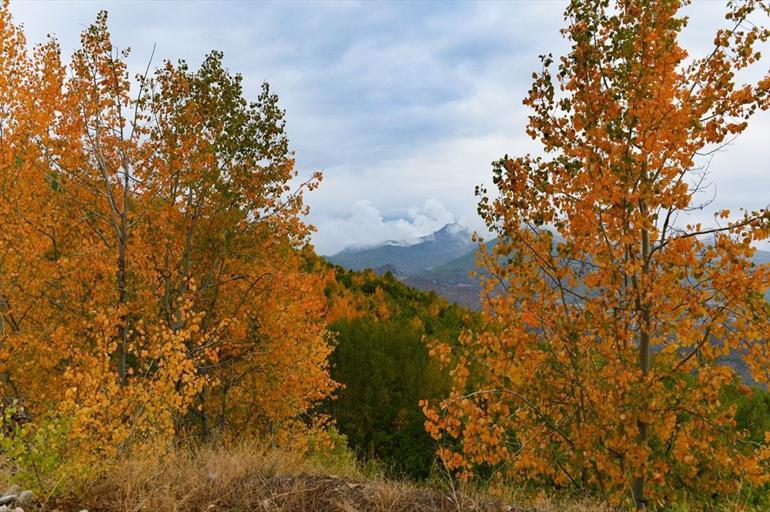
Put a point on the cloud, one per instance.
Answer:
(365, 225)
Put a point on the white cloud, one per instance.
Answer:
(365, 225)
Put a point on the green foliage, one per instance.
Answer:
(330, 450)
(753, 413)
(36, 451)
(386, 370)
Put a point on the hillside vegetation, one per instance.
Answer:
(382, 360)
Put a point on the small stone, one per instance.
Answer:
(18, 509)
(25, 496)
(10, 498)
(4, 508)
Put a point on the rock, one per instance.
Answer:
(18, 509)
(4, 508)
(9, 498)
(25, 496)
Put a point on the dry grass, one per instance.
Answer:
(252, 479)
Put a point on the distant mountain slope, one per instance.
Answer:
(453, 280)
(761, 257)
(427, 267)
(438, 248)
(457, 271)
(466, 294)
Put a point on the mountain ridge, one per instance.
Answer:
(437, 248)
(417, 265)
(439, 262)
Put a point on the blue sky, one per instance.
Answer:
(403, 105)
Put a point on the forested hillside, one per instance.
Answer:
(381, 359)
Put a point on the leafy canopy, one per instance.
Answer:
(608, 321)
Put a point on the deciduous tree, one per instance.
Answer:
(152, 279)
(609, 321)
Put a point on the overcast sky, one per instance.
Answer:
(402, 105)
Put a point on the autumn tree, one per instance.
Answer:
(32, 217)
(152, 240)
(227, 227)
(611, 321)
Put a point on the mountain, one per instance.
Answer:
(458, 271)
(761, 257)
(442, 246)
(466, 294)
(441, 262)
(453, 280)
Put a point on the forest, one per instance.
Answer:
(171, 340)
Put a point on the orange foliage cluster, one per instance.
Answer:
(347, 302)
(151, 277)
(607, 321)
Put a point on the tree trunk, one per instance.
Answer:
(122, 278)
(643, 306)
